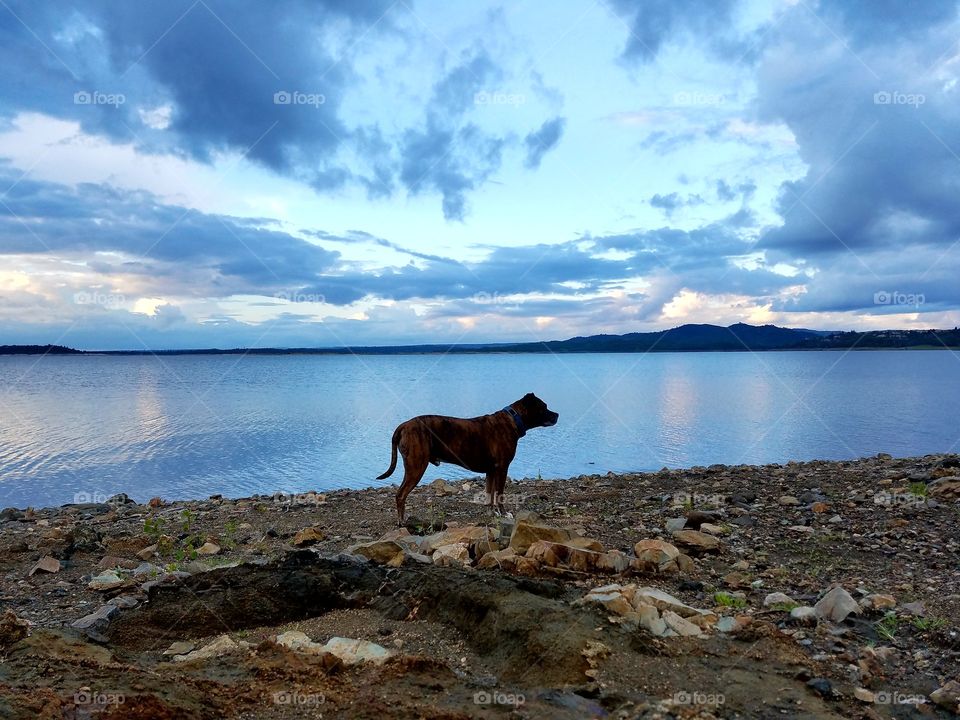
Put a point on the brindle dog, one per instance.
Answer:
(484, 444)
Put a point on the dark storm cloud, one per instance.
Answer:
(249, 77)
(540, 142)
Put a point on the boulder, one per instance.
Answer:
(584, 543)
(836, 605)
(544, 553)
(525, 533)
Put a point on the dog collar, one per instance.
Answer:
(517, 419)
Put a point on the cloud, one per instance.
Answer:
(540, 142)
(651, 23)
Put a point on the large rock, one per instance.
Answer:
(696, 542)
(97, 620)
(382, 552)
(223, 645)
(526, 533)
(656, 553)
(12, 628)
(836, 605)
(307, 536)
(948, 697)
(680, 625)
(456, 555)
(452, 536)
(499, 559)
(353, 652)
(663, 601)
(778, 598)
(46, 564)
(106, 581)
(946, 488)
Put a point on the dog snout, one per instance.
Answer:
(552, 418)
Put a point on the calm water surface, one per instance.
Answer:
(191, 426)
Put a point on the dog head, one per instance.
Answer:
(535, 412)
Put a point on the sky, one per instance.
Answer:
(232, 173)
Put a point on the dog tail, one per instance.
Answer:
(393, 455)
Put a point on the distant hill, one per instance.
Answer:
(38, 350)
(685, 338)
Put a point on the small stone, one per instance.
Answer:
(864, 695)
(148, 552)
(788, 500)
(223, 645)
(727, 624)
(914, 608)
(805, 529)
(878, 602)
(46, 564)
(740, 565)
(156, 502)
(836, 605)
(309, 536)
(820, 507)
(96, 620)
(696, 541)
(674, 524)
(181, 647)
(821, 686)
(353, 652)
(658, 552)
(804, 615)
(441, 487)
(712, 529)
(735, 580)
(208, 548)
(778, 598)
(835, 520)
(106, 581)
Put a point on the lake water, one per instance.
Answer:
(77, 428)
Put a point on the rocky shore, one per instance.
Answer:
(810, 590)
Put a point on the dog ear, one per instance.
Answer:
(529, 396)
